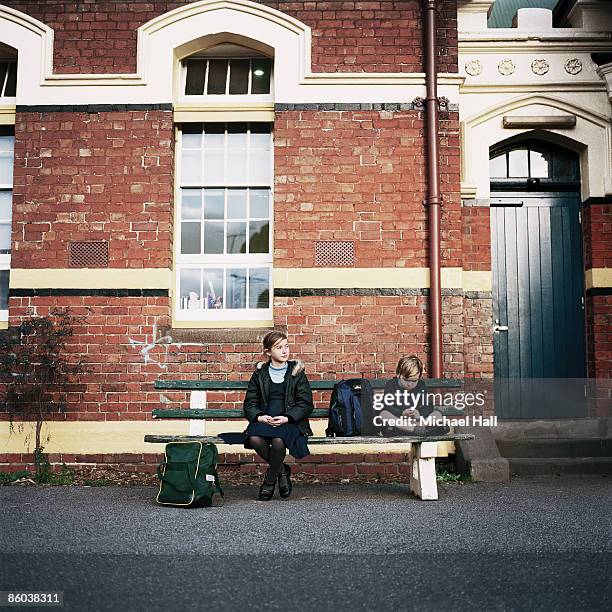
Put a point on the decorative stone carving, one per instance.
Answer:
(473, 67)
(506, 67)
(540, 66)
(573, 66)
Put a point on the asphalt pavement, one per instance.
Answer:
(531, 544)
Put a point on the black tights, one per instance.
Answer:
(272, 451)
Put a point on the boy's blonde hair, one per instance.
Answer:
(271, 338)
(410, 367)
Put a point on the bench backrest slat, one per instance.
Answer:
(318, 385)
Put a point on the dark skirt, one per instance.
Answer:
(294, 440)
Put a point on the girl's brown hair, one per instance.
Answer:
(271, 338)
(410, 367)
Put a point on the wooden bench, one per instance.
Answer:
(423, 474)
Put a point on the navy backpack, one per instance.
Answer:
(350, 409)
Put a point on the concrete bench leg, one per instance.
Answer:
(423, 475)
(197, 427)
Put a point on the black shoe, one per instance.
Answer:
(266, 491)
(284, 481)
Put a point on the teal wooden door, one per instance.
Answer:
(538, 301)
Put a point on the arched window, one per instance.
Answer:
(534, 162)
(227, 70)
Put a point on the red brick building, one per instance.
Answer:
(188, 175)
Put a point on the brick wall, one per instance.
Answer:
(361, 175)
(93, 176)
(385, 36)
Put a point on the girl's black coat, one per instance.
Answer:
(298, 396)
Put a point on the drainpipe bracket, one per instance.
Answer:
(443, 102)
(427, 203)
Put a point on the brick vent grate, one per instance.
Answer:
(89, 254)
(334, 253)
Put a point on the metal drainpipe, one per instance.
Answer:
(433, 188)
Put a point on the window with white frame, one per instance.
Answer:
(8, 78)
(224, 248)
(7, 148)
(227, 70)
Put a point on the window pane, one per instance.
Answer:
(236, 288)
(217, 75)
(214, 147)
(11, 82)
(191, 166)
(5, 238)
(190, 289)
(213, 288)
(190, 238)
(7, 144)
(214, 203)
(497, 166)
(237, 153)
(239, 76)
(540, 164)
(261, 156)
(260, 203)
(259, 239)
(196, 71)
(236, 204)
(191, 204)
(262, 69)
(192, 141)
(6, 199)
(518, 164)
(6, 169)
(213, 237)
(4, 283)
(259, 288)
(236, 237)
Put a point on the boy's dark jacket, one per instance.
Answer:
(298, 396)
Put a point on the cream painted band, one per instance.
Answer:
(198, 113)
(379, 278)
(4, 324)
(598, 277)
(7, 115)
(220, 324)
(90, 278)
(165, 40)
(125, 437)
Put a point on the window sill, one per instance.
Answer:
(207, 335)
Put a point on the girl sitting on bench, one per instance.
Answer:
(277, 404)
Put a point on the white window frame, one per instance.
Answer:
(222, 261)
(5, 258)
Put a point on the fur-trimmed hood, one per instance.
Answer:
(297, 368)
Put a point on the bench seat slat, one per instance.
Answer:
(319, 385)
(162, 439)
(236, 413)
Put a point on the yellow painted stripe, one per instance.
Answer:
(198, 113)
(408, 278)
(598, 277)
(477, 280)
(7, 115)
(4, 324)
(127, 437)
(90, 278)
